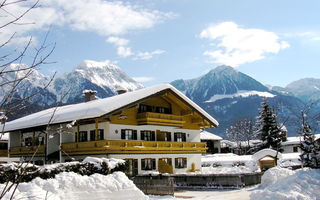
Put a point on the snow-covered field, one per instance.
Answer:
(277, 184)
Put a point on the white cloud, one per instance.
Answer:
(103, 17)
(124, 51)
(148, 55)
(118, 41)
(143, 79)
(233, 45)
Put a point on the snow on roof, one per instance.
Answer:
(266, 152)
(205, 135)
(296, 140)
(4, 136)
(97, 108)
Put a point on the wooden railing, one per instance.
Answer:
(3, 153)
(160, 119)
(129, 146)
(27, 151)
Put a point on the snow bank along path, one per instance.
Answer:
(71, 186)
(284, 184)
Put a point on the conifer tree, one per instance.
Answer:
(308, 146)
(268, 130)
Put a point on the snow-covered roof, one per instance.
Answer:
(205, 135)
(228, 143)
(296, 140)
(266, 152)
(98, 108)
(4, 136)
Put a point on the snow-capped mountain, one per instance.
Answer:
(222, 80)
(103, 77)
(307, 89)
(228, 95)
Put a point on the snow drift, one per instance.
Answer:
(69, 185)
(284, 184)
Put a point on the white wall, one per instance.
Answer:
(191, 158)
(115, 131)
(289, 148)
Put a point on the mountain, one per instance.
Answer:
(103, 77)
(307, 89)
(223, 80)
(228, 95)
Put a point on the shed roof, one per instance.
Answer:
(205, 135)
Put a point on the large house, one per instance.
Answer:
(155, 128)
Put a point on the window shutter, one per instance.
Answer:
(123, 134)
(101, 134)
(184, 162)
(169, 161)
(75, 137)
(142, 135)
(183, 137)
(143, 164)
(176, 162)
(153, 136)
(135, 134)
(175, 137)
(153, 163)
(169, 137)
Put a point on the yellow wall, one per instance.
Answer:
(129, 116)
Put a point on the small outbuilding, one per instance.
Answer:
(266, 158)
(212, 141)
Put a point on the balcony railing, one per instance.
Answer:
(3, 153)
(27, 151)
(160, 119)
(129, 146)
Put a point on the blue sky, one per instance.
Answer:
(275, 42)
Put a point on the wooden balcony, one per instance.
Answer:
(3, 153)
(132, 147)
(147, 118)
(27, 151)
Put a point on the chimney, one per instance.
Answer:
(121, 90)
(89, 95)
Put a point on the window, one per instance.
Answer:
(167, 136)
(148, 135)
(28, 141)
(4, 145)
(179, 137)
(100, 134)
(163, 110)
(295, 149)
(39, 140)
(145, 108)
(167, 160)
(83, 136)
(92, 135)
(180, 162)
(148, 164)
(128, 134)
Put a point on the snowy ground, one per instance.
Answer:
(243, 194)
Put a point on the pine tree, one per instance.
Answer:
(268, 130)
(308, 146)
